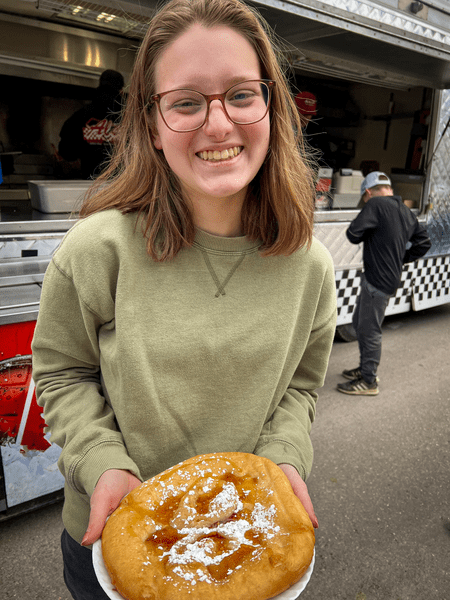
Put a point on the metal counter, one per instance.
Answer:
(26, 248)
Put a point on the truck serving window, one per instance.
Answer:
(358, 128)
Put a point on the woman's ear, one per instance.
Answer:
(156, 140)
(154, 133)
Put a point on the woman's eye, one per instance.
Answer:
(183, 103)
(242, 97)
(186, 104)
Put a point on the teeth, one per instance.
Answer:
(216, 155)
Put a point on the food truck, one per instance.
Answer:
(380, 71)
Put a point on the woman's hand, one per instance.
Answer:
(112, 486)
(300, 490)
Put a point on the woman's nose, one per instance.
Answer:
(218, 122)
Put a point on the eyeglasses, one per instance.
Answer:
(187, 110)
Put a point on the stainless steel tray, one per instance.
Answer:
(49, 196)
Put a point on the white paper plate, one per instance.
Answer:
(105, 581)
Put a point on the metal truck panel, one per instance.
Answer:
(363, 41)
(425, 283)
(438, 214)
(386, 19)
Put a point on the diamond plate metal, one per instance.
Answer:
(332, 235)
(40, 247)
(438, 217)
(388, 16)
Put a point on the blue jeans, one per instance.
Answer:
(79, 574)
(367, 320)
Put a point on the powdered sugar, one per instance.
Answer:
(263, 520)
(207, 540)
(198, 545)
(225, 500)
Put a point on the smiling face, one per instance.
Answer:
(220, 159)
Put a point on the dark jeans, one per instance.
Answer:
(79, 573)
(367, 320)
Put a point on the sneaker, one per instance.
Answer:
(352, 373)
(355, 374)
(359, 387)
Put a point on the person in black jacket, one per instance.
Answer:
(392, 236)
(89, 133)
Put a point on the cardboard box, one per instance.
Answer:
(409, 187)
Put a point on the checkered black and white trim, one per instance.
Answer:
(424, 283)
(348, 283)
(431, 282)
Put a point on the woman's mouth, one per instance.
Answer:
(218, 155)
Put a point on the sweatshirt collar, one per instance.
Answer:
(242, 244)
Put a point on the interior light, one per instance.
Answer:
(105, 17)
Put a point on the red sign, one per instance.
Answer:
(97, 132)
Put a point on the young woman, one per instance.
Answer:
(191, 310)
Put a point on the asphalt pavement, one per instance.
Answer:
(380, 482)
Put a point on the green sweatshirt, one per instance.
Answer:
(140, 365)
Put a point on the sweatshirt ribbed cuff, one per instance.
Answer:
(98, 458)
(284, 453)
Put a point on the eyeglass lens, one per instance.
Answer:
(245, 103)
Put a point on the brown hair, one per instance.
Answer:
(279, 207)
(381, 187)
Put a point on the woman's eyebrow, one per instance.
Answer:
(189, 85)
